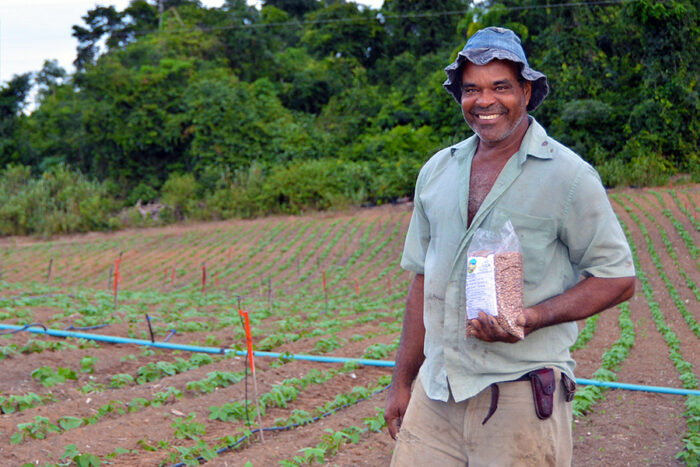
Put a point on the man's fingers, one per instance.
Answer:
(393, 425)
(486, 328)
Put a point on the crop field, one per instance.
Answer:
(325, 285)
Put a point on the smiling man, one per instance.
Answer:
(485, 397)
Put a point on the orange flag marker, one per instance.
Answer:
(248, 339)
(251, 359)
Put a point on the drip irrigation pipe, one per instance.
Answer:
(23, 328)
(192, 348)
(636, 387)
(309, 358)
(86, 328)
(282, 428)
(172, 333)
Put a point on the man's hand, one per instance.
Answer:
(486, 328)
(396, 404)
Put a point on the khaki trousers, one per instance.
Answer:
(445, 434)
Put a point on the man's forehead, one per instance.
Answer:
(495, 69)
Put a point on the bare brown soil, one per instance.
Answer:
(278, 264)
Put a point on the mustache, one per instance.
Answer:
(488, 110)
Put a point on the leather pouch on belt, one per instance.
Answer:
(543, 386)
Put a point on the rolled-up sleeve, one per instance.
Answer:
(591, 231)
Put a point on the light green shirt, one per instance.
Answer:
(567, 228)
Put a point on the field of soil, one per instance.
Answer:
(326, 285)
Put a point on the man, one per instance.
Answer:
(474, 400)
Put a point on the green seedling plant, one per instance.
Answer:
(92, 387)
(188, 428)
(213, 381)
(376, 423)
(50, 378)
(17, 403)
(586, 333)
(121, 380)
(87, 364)
(191, 455)
(38, 429)
(75, 457)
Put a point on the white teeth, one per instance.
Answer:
(488, 117)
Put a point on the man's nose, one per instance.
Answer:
(485, 98)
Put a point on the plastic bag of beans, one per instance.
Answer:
(494, 282)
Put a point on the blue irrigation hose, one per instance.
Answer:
(635, 387)
(309, 358)
(22, 328)
(193, 348)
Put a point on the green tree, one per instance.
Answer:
(13, 100)
(421, 26)
(345, 30)
(296, 8)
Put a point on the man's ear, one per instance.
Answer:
(527, 90)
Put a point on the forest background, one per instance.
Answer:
(237, 111)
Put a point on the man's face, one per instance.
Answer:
(494, 103)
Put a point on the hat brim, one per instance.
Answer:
(453, 84)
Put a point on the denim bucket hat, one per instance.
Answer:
(489, 44)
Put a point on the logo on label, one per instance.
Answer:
(471, 265)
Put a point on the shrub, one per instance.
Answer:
(59, 201)
(179, 194)
(144, 192)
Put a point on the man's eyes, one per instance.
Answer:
(502, 88)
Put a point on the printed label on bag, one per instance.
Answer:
(481, 286)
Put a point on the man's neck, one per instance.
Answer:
(502, 150)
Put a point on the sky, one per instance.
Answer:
(32, 31)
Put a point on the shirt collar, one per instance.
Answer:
(535, 143)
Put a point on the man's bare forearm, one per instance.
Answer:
(410, 355)
(409, 358)
(590, 296)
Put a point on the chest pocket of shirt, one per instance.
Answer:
(537, 235)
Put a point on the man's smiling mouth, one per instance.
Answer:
(489, 117)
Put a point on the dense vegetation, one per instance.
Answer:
(306, 104)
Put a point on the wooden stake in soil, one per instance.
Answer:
(251, 359)
(150, 328)
(204, 277)
(48, 273)
(109, 276)
(325, 291)
(269, 294)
